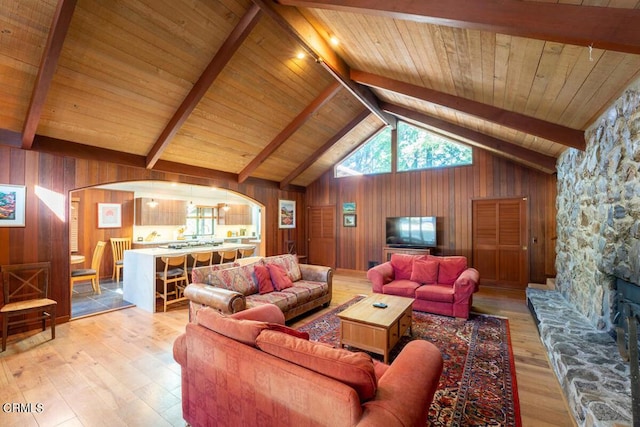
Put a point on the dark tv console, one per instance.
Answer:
(388, 250)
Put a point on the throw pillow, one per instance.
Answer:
(265, 285)
(451, 267)
(290, 264)
(279, 277)
(353, 369)
(425, 271)
(244, 331)
(402, 266)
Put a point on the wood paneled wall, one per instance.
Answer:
(46, 234)
(445, 193)
(88, 232)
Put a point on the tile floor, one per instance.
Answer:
(85, 302)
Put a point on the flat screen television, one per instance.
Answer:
(411, 231)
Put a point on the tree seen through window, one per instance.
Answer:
(417, 149)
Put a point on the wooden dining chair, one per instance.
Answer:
(228, 256)
(118, 246)
(25, 288)
(92, 273)
(246, 252)
(200, 259)
(174, 280)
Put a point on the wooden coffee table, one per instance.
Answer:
(373, 329)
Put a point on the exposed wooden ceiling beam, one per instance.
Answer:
(600, 27)
(548, 163)
(551, 131)
(200, 88)
(298, 27)
(74, 150)
(324, 148)
(57, 33)
(295, 124)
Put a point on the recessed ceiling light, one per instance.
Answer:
(334, 40)
(301, 55)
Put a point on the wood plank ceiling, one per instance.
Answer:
(216, 85)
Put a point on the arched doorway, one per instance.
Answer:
(182, 212)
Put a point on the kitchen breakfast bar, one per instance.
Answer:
(140, 266)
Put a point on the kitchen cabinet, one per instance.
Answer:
(236, 215)
(168, 212)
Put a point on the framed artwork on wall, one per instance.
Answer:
(349, 207)
(349, 220)
(286, 214)
(109, 215)
(12, 205)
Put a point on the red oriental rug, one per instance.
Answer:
(478, 383)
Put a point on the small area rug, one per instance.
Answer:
(478, 383)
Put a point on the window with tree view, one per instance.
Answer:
(421, 149)
(372, 157)
(417, 149)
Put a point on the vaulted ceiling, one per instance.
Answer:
(219, 86)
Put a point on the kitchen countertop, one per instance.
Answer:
(166, 242)
(165, 251)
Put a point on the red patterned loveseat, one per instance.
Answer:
(440, 285)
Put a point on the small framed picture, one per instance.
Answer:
(349, 220)
(349, 207)
(12, 205)
(286, 214)
(109, 215)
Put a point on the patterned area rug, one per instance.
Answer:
(478, 383)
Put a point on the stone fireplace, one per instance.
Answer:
(598, 244)
(598, 218)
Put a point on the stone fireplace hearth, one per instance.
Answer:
(598, 244)
(591, 372)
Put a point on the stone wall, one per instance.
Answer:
(598, 208)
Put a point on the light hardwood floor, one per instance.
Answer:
(118, 369)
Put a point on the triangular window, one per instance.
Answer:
(372, 157)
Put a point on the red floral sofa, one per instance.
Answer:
(248, 369)
(440, 285)
(295, 288)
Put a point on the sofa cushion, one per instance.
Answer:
(285, 301)
(402, 266)
(352, 368)
(279, 277)
(289, 331)
(450, 268)
(287, 261)
(439, 293)
(201, 274)
(401, 288)
(265, 285)
(425, 271)
(244, 331)
(306, 290)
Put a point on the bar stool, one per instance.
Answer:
(200, 259)
(174, 273)
(246, 252)
(229, 255)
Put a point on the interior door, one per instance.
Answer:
(500, 251)
(322, 235)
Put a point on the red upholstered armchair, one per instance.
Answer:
(440, 285)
